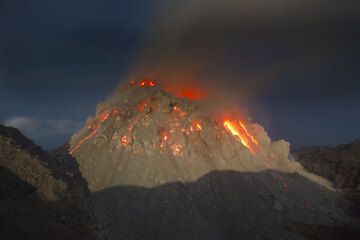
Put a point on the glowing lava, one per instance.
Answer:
(93, 130)
(103, 116)
(87, 137)
(239, 130)
(196, 126)
(186, 90)
(147, 83)
(176, 149)
(191, 94)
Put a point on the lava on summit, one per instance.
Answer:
(174, 113)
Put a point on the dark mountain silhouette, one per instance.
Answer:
(40, 199)
(340, 164)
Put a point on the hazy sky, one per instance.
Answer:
(294, 65)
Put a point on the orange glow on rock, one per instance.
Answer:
(87, 137)
(180, 112)
(176, 149)
(196, 125)
(164, 136)
(103, 116)
(142, 105)
(147, 83)
(190, 93)
(125, 140)
(186, 90)
(242, 134)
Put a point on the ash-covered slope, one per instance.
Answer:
(163, 167)
(38, 198)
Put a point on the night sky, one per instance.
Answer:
(295, 66)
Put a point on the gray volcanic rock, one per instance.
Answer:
(163, 167)
(340, 164)
(39, 199)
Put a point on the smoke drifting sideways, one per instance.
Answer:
(234, 50)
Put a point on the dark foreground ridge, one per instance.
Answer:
(39, 198)
(223, 205)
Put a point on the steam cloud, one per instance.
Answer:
(236, 48)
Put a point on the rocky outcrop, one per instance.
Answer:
(39, 198)
(340, 164)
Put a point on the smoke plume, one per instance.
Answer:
(233, 48)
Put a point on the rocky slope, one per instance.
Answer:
(40, 198)
(340, 164)
(163, 167)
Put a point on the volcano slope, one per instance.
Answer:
(164, 167)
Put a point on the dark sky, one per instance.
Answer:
(295, 66)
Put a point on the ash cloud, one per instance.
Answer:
(237, 49)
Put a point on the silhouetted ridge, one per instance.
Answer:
(39, 199)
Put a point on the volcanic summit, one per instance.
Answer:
(163, 166)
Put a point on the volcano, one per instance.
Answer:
(164, 166)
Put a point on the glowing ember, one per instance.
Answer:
(176, 149)
(239, 130)
(164, 136)
(195, 126)
(142, 105)
(147, 83)
(179, 111)
(116, 111)
(125, 140)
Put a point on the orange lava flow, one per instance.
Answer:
(87, 137)
(239, 130)
(102, 118)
